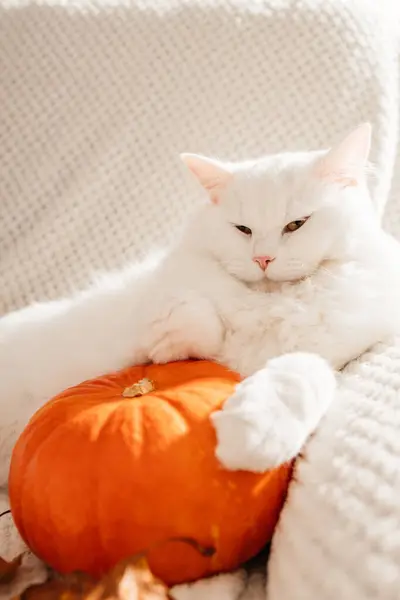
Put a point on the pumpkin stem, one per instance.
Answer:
(140, 388)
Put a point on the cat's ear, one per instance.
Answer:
(346, 162)
(212, 175)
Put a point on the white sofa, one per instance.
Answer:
(97, 100)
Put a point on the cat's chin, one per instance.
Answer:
(287, 278)
(272, 285)
(281, 277)
(265, 280)
(247, 277)
(268, 282)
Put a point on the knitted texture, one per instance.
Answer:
(339, 535)
(98, 98)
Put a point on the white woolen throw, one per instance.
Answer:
(99, 97)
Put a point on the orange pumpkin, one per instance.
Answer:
(97, 476)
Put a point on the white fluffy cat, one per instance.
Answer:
(284, 274)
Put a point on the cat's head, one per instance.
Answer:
(282, 216)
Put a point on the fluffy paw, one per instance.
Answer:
(188, 329)
(170, 348)
(269, 417)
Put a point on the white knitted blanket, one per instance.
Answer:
(99, 97)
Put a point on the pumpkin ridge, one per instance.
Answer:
(23, 486)
(178, 407)
(59, 430)
(101, 544)
(169, 411)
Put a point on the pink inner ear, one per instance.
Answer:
(210, 174)
(347, 182)
(213, 190)
(342, 179)
(345, 163)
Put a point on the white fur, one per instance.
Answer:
(257, 434)
(332, 290)
(227, 586)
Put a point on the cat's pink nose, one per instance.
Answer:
(263, 261)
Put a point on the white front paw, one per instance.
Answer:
(187, 329)
(269, 417)
(168, 349)
(254, 429)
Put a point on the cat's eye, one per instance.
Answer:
(244, 229)
(295, 225)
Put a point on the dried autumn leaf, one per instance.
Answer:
(130, 579)
(8, 570)
(69, 587)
